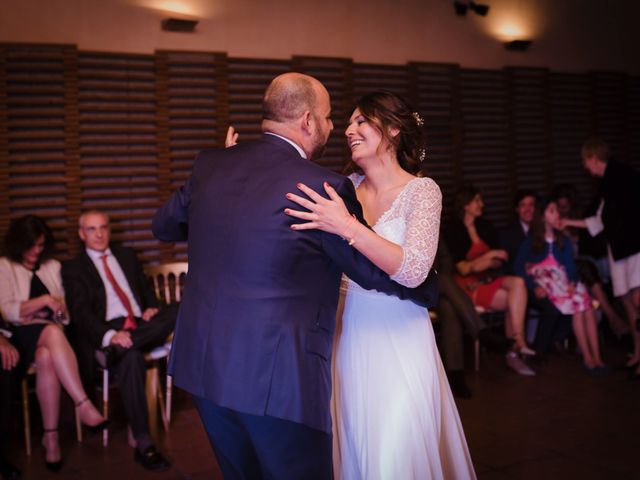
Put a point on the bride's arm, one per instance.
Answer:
(408, 266)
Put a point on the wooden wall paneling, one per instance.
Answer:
(192, 115)
(72, 147)
(434, 93)
(529, 137)
(608, 97)
(632, 126)
(5, 205)
(369, 77)
(570, 127)
(247, 81)
(118, 146)
(485, 153)
(336, 74)
(34, 105)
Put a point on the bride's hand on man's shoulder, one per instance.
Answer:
(327, 214)
(232, 137)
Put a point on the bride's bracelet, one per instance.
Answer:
(349, 237)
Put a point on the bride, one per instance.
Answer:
(394, 413)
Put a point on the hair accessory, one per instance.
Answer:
(422, 154)
(418, 118)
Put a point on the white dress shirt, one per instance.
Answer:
(115, 308)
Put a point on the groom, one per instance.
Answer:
(255, 328)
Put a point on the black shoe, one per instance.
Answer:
(151, 459)
(457, 384)
(51, 466)
(8, 471)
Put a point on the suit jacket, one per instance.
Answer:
(511, 239)
(621, 193)
(256, 322)
(86, 296)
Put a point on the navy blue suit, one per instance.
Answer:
(256, 323)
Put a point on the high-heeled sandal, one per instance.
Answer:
(93, 428)
(51, 466)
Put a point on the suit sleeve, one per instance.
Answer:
(81, 305)
(171, 222)
(357, 267)
(519, 265)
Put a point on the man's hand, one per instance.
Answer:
(149, 313)
(122, 339)
(232, 138)
(8, 354)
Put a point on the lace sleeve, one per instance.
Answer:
(421, 211)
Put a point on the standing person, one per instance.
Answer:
(546, 261)
(394, 413)
(255, 329)
(115, 309)
(617, 217)
(474, 247)
(32, 301)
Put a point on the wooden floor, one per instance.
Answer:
(560, 424)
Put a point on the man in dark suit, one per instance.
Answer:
(114, 309)
(255, 328)
(512, 238)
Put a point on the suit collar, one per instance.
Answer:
(283, 142)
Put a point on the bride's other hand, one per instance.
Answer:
(326, 214)
(231, 138)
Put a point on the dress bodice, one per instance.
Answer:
(413, 222)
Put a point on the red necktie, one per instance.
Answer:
(129, 322)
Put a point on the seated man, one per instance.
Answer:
(9, 357)
(513, 237)
(114, 308)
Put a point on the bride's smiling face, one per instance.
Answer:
(363, 137)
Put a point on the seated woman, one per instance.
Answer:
(32, 300)
(472, 241)
(546, 261)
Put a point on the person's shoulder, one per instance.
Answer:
(74, 263)
(424, 185)
(5, 263)
(51, 263)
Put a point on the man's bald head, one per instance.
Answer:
(288, 96)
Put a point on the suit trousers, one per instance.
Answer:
(455, 310)
(130, 367)
(8, 388)
(253, 447)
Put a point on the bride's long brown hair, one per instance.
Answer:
(386, 110)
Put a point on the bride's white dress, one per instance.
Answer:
(394, 414)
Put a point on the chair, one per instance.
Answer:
(168, 282)
(31, 372)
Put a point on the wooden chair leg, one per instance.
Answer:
(169, 399)
(476, 354)
(151, 388)
(105, 405)
(25, 415)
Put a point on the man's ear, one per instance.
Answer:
(81, 234)
(306, 122)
